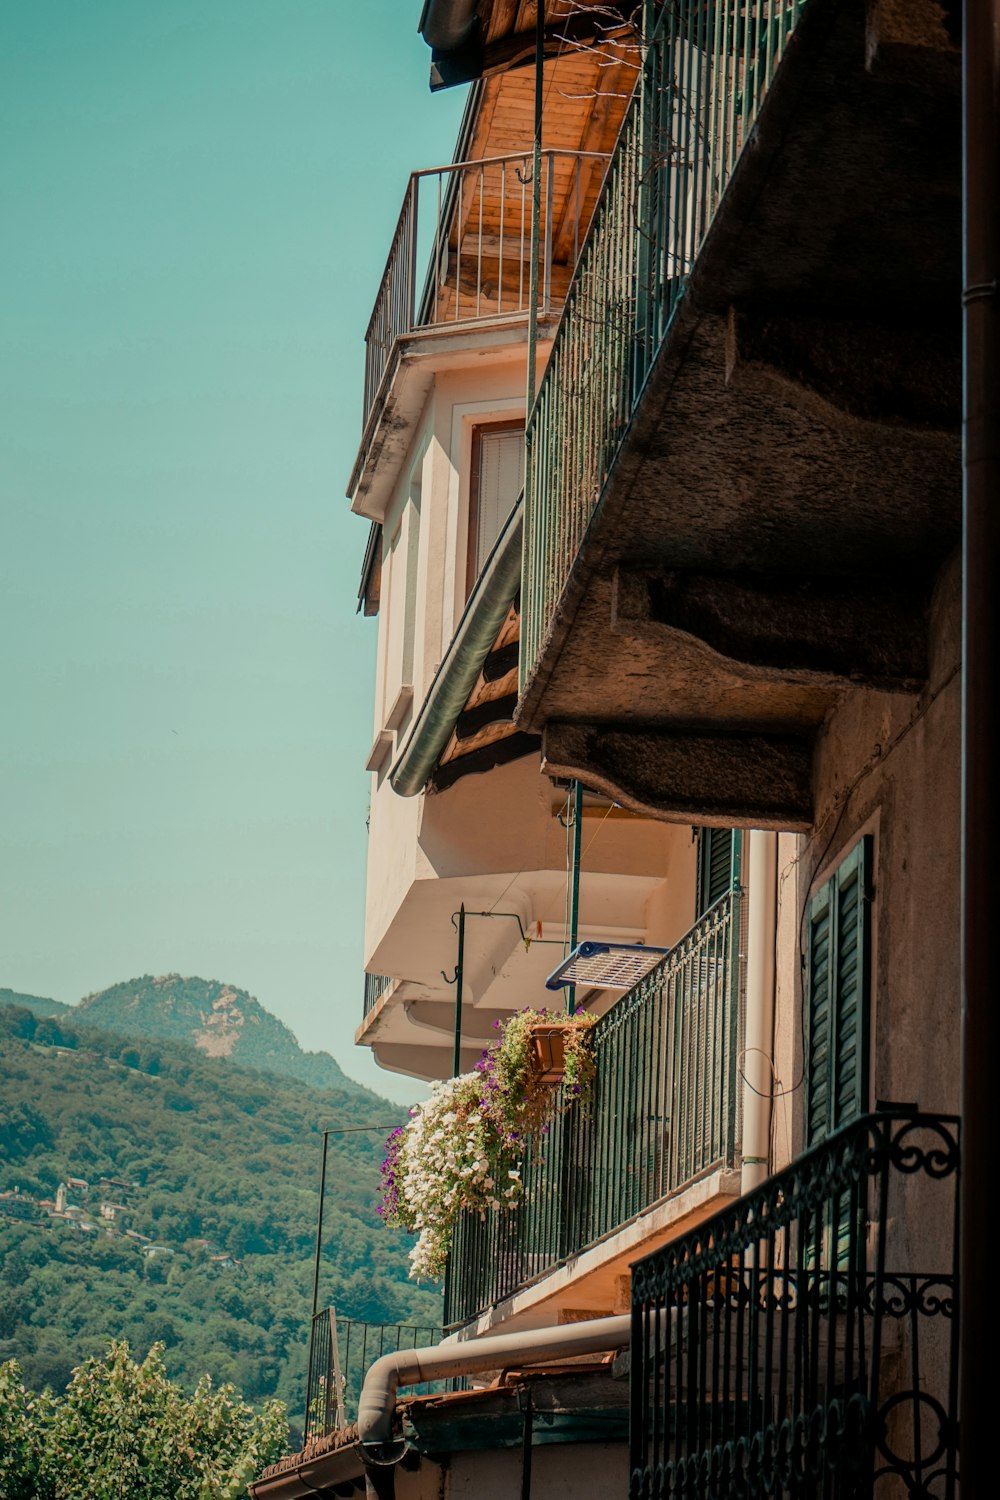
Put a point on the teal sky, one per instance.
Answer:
(196, 200)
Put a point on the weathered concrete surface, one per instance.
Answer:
(763, 779)
(799, 429)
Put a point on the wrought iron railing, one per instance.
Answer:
(706, 70)
(664, 1110)
(340, 1352)
(469, 224)
(375, 987)
(804, 1341)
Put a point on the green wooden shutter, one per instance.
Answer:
(838, 962)
(718, 865)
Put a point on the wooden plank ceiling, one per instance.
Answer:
(587, 85)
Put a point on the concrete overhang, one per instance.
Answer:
(773, 526)
(399, 403)
(411, 1027)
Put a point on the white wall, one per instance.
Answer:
(500, 822)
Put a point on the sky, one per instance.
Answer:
(196, 201)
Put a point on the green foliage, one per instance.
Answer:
(215, 1152)
(37, 1003)
(123, 1429)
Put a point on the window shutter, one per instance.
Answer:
(718, 865)
(501, 475)
(838, 965)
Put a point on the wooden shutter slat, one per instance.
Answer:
(837, 979)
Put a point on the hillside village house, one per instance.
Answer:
(662, 465)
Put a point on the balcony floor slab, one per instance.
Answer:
(593, 1283)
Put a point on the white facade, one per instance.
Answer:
(493, 841)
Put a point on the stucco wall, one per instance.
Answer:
(500, 822)
(888, 765)
(560, 1471)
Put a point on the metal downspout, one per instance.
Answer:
(477, 630)
(980, 735)
(532, 1346)
(758, 1045)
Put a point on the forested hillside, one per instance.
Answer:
(210, 1172)
(38, 1003)
(219, 1019)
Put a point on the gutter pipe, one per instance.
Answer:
(452, 30)
(377, 1450)
(446, 24)
(455, 677)
(758, 1047)
(530, 1346)
(977, 1305)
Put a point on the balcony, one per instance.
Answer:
(743, 459)
(340, 1353)
(804, 1342)
(375, 987)
(664, 1114)
(457, 281)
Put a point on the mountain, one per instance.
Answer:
(36, 1003)
(219, 1019)
(189, 1206)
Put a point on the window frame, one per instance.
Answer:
(509, 424)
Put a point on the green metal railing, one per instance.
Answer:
(375, 987)
(340, 1353)
(664, 1110)
(706, 70)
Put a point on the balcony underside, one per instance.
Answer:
(416, 360)
(789, 486)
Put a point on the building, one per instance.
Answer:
(716, 584)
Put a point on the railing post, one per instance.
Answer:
(411, 249)
(547, 282)
(335, 1373)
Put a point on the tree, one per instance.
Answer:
(22, 1417)
(123, 1429)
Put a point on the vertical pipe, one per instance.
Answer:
(536, 204)
(758, 1044)
(981, 729)
(574, 901)
(456, 1060)
(319, 1225)
(530, 496)
(527, 1438)
(316, 1263)
(547, 281)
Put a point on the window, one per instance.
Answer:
(838, 962)
(497, 479)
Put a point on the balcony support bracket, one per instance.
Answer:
(759, 778)
(838, 631)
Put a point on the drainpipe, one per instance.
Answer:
(980, 736)
(758, 1054)
(532, 1346)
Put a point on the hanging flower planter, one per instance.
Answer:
(549, 1045)
(462, 1148)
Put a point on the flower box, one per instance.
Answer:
(549, 1046)
(462, 1148)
